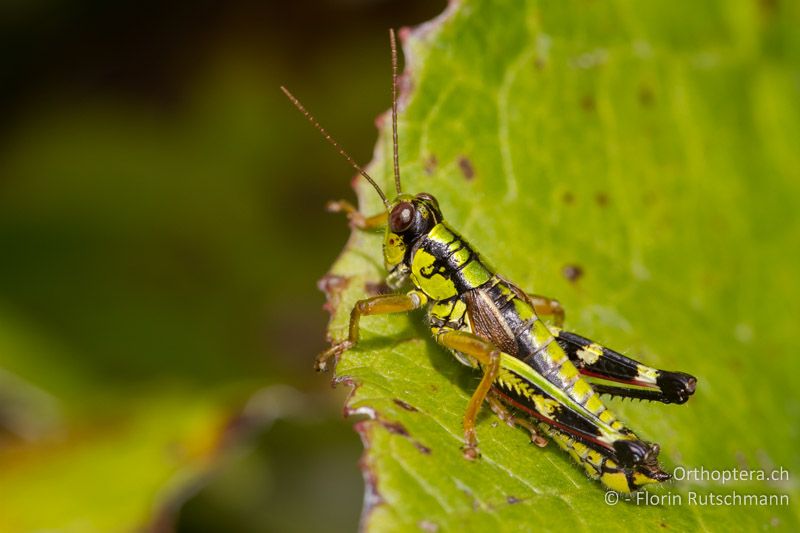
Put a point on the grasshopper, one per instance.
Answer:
(535, 370)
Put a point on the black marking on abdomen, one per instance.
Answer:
(539, 360)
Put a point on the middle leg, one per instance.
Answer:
(488, 357)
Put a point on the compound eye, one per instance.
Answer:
(401, 217)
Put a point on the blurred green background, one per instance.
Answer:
(162, 229)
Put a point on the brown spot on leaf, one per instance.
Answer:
(539, 63)
(404, 405)
(421, 447)
(395, 427)
(572, 272)
(601, 198)
(430, 164)
(466, 167)
(646, 96)
(568, 197)
(588, 103)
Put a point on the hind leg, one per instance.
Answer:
(505, 415)
(596, 361)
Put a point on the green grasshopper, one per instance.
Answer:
(493, 326)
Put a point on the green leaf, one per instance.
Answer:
(638, 163)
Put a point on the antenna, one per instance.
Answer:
(330, 139)
(394, 111)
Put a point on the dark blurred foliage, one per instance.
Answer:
(162, 221)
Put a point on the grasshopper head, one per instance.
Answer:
(410, 217)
